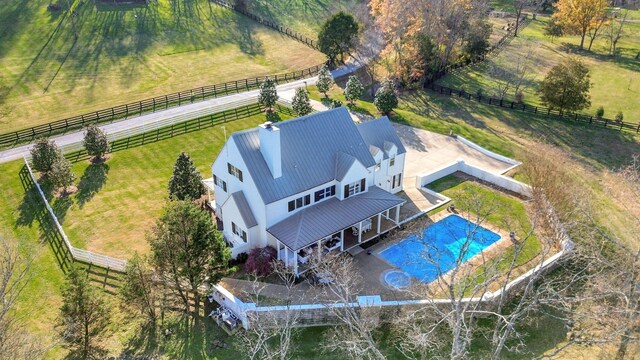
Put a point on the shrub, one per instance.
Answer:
(260, 261)
(61, 175)
(386, 98)
(619, 116)
(335, 103)
(301, 104)
(479, 92)
(600, 112)
(353, 90)
(325, 80)
(242, 257)
(268, 94)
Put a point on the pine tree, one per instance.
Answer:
(95, 142)
(44, 154)
(84, 312)
(61, 175)
(353, 90)
(268, 94)
(186, 181)
(325, 80)
(386, 99)
(301, 103)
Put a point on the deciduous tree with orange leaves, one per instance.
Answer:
(580, 16)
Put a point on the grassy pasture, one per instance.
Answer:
(125, 53)
(616, 80)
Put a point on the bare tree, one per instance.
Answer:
(271, 334)
(594, 30)
(511, 72)
(614, 31)
(354, 337)
(15, 273)
(370, 45)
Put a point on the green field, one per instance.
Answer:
(125, 53)
(615, 80)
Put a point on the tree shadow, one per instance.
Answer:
(95, 352)
(625, 62)
(93, 179)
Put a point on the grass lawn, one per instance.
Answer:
(303, 16)
(127, 52)
(119, 200)
(615, 80)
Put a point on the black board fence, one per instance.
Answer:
(151, 105)
(540, 110)
(283, 30)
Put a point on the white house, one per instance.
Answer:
(316, 183)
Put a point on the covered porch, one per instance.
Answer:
(210, 186)
(334, 225)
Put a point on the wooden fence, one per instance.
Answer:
(138, 108)
(541, 110)
(283, 30)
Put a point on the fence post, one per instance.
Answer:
(179, 99)
(113, 115)
(246, 83)
(140, 105)
(606, 121)
(638, 130)
(590, 119)
(166, 102)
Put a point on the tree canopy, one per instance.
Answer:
(186, 181)
(353, 90)
(386, 99)
(579, 17)
(268, 94)
(44, 154)
(301, 104)
(61, 174)
(95, 142)
(325, 80)
(338, 36)
(566, 86)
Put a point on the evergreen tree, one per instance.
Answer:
(325, 80)
(566, 86)
(84, 312)
(44, 154)
(187, 251)
(353, 90)
(138, 288)
(386, 99)
(338, 36)
(301, 103)
(268, 95)
(61, 175)
(186, 181)
(95, 142)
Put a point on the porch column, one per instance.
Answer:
(279, 249)
(342, 240)
(319, 248)
(209, 194)
(295, 263)
(286, 256)
(359, 232)
(398, 215)
(379, 221)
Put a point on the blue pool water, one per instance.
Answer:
(441, 243)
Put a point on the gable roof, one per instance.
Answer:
(330, 216)
(343, 164)
(308, 146)
(244, 209)
(380, 133)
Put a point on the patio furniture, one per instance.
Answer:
(366, 226)
(332, 244)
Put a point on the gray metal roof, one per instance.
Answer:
(330, 216)
(343, 164)
(309, 146)
(244, 208)
(380, 131)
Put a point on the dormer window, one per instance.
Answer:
(354, 188)
(392, 161)
(378, 166)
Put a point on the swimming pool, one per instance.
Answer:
(442, 243)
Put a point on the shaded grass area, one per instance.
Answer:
(127, 52)
(616, 80)
(505, 212)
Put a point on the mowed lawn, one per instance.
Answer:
(118, 201)
(616, 80)
(126, 53)
(303, 16)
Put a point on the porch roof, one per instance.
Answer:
(330, 216)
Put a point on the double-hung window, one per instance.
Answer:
(397, 181)
(238, 232)
(325, 193)
(220, 183)
(299, 202)
(354, 188)
(234, 171)
(392, 161)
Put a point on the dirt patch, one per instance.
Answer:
(68, 191)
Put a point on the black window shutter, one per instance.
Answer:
(224, 186)
(363, 182)
(307, 199)
(346, 191)
(317, 196)
(399, 179)
(240, 175)
(292, 205)
(333, 190)
(229, 168)
(215, 179)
